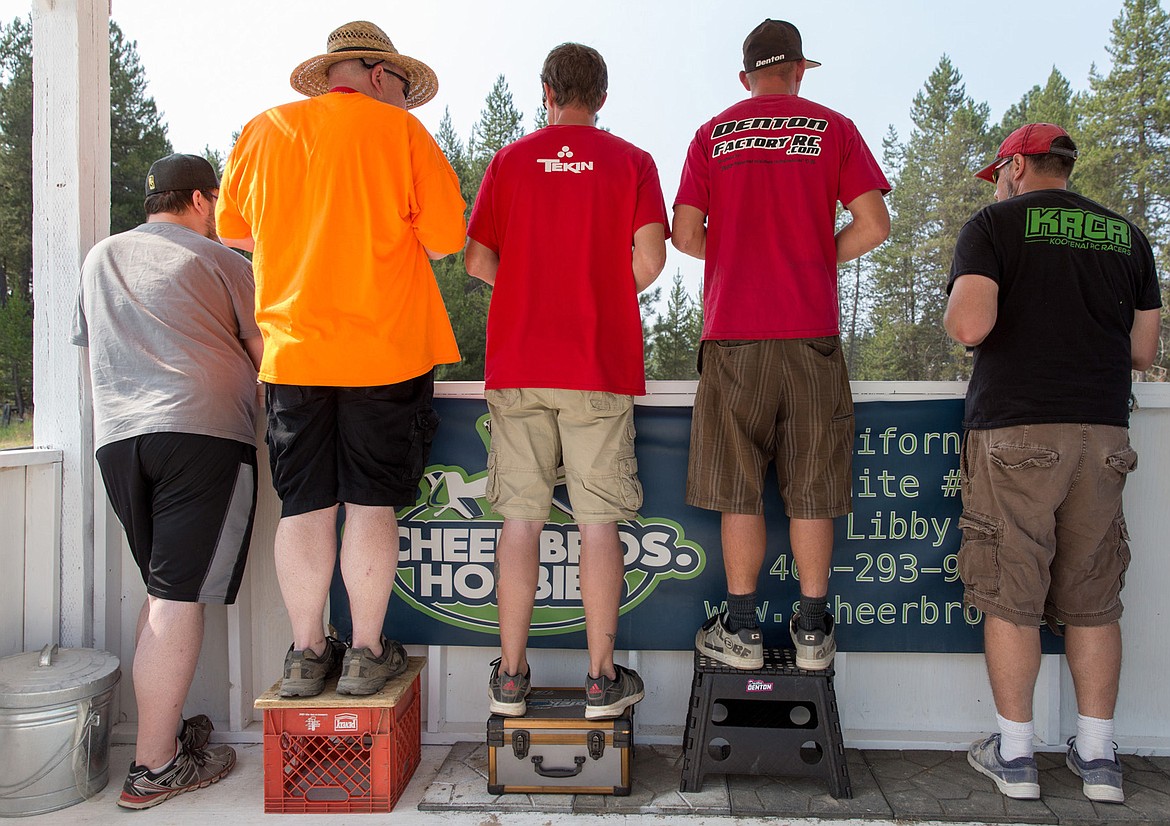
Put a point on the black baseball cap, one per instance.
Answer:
(180, 173)
(771, 42)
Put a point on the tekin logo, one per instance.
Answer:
(345, 722)
(758, 685)
(447, 554)
(561, 163)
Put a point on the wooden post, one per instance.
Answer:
(71, 211)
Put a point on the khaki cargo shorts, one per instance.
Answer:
(782, 400)
(1044, 537)
(534, 430)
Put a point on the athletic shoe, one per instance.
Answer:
(1100, 779)
(191, 769)
(743, 649)
(814, 649)
(196, 732)
(363, 673)
(1018, 778)
(305, 673)
(606, 698)
(508, 693)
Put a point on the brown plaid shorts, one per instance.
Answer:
(786, 400)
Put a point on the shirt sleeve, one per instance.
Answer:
(242, 288)
(438, 222)
(860, 172)
(695, 187)
(1149, 295)
(482, 226)
(651, 206)
(79, 331)
(974, 251)
(229, 219)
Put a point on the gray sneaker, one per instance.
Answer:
(814, 649)
(508, 693)
(1100, 779)
(363, 673)
(191, 769)
(1018, 779)
(305, 673)
(744, 649)
(606, 698)
(196, 732)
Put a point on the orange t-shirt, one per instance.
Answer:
(342, 193)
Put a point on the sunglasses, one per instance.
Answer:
(389, 71)
(995, 169)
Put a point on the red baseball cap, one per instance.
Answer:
(1030, 139)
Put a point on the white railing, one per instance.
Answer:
(30, 550)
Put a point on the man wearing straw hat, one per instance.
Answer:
(345, 199)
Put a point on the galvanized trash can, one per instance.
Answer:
(54, 728)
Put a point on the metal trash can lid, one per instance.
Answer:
(55, 676)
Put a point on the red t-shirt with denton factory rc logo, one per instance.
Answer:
(768, 173)
(560, 207)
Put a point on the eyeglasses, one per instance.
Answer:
(995, 169)
(389, 71)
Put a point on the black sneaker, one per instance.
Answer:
(196, 732)
(508, 693)
(191, 769)
(605, 698)
(743, 649)
(305, 673)
(362, 673)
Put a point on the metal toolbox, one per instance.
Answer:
(555, 750)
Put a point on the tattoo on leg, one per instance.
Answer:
(612, 637)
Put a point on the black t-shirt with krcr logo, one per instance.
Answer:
(1071, 273)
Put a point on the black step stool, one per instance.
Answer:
(777, 720)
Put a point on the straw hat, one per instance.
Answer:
(363, 39)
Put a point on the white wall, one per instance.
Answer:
(885, 700)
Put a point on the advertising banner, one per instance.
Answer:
(894, 583)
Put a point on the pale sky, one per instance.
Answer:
(673, 64)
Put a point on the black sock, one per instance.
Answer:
(741, 611)
(812, 613)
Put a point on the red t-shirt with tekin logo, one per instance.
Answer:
(560, 207)
(768, 174)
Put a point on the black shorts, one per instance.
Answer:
(187, 502)
(362, 445)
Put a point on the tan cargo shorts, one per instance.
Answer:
(534, 430)
(1044, 537)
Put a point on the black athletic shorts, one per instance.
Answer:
(187, 502)
(363, 445)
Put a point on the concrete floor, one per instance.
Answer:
(237, 798)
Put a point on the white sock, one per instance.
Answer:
(1015, 739)
(1094, 738)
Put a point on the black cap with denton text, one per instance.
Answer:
(180, 172)
(771, 42)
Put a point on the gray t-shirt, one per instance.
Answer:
(163, 311)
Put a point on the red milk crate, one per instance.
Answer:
(334, 754)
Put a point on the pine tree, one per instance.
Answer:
(1052, 103)
(676, 337)
(16, 214)
(138, 136)
(934, 193)
(1125, 149)
(467, 298)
